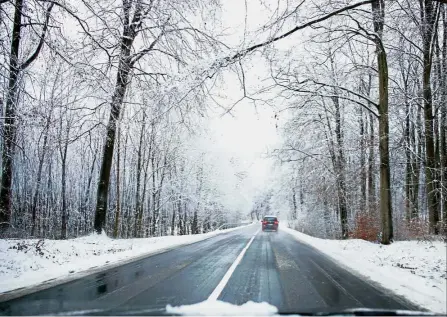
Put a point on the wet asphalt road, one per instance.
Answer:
(276, 268)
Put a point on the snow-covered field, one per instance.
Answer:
(28, 262)
(413, 269)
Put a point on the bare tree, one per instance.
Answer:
(16, 69)
(378, 12)
(429, 12)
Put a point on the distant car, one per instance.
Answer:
(270, 223)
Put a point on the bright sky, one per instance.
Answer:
(243, 139)
(249, 132)
(248, 135)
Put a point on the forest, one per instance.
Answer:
(103, 102)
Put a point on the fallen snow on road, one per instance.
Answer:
(413, 269)
(219, 308)
(29, 262)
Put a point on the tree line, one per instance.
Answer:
(100, 100)
(372, 90)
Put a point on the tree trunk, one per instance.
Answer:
(140, 154)
(118, 203)
(39, 177)
(340, 172)
(408, 157)
(340, 162)
(180, 220)
(194, 224)
(173, 215)
(371, 170)
(185, 221)
(9, 128)
(143, 195)
(294, 203)
(327, 217)
(64, 188)
(162, 223)
(63, 153)
(154, 196)
(414, 166)
(362, 162)
(123, 196)
(428, 20)
(49, 189)
(443, 131)
(107, 157)
(87, 193)
(378, 12)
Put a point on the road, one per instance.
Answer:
(275, 268)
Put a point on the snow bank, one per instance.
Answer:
(219, 308)
(29, 262)
(413, 269)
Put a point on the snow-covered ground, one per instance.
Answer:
(28, 262)
(219, 308)
(413, 269)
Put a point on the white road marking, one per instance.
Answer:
(219, 288)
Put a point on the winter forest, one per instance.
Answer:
(106, 106)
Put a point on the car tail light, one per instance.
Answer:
(276, 222)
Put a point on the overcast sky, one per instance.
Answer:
(249, 132)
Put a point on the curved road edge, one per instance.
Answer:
(403, 293)
(22, 291)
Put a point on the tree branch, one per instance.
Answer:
(348, 91)
(331, 96)
(42, 40)
(143, 52)
(297, 28)
(82, 24)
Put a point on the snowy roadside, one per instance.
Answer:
(28, 263)
(415, 270)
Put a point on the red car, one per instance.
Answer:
(270, 223)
